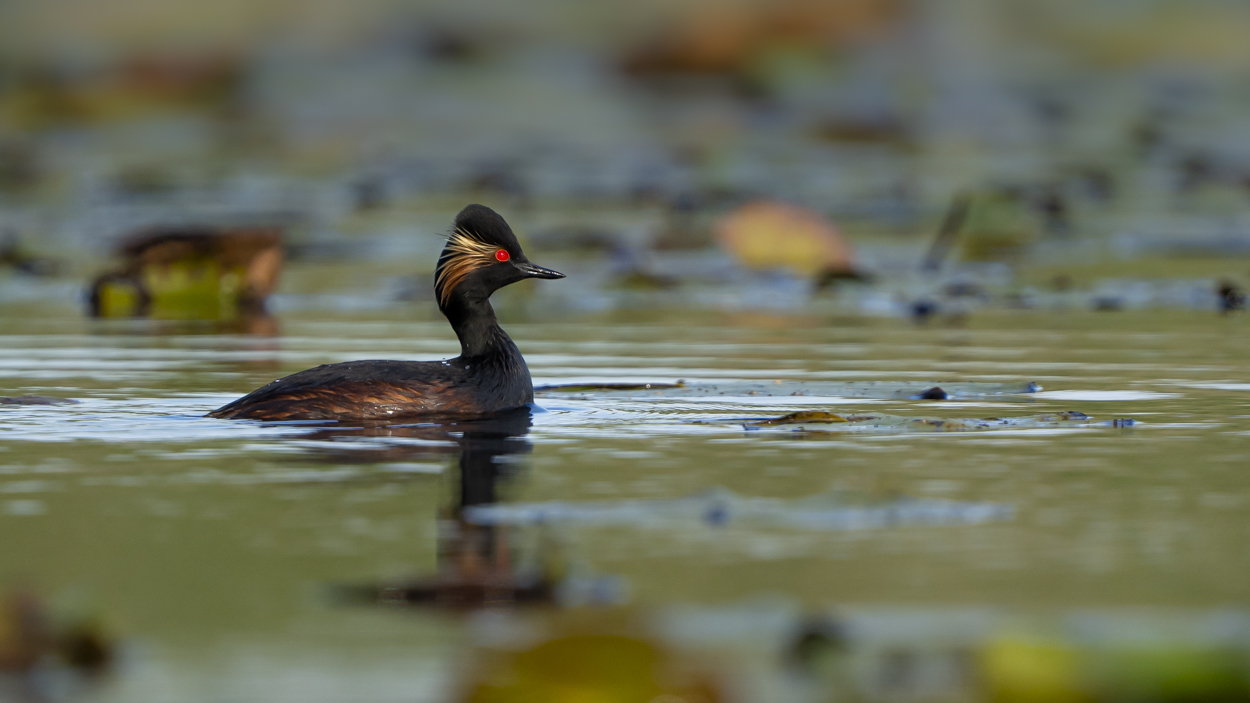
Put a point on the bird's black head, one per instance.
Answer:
(481, 256)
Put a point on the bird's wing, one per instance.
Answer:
(348, 391)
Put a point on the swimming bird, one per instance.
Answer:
(481, 256)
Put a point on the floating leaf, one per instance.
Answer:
(803, 416)
(766, 235)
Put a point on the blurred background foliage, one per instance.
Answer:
(617, 137)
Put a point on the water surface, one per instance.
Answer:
(212, 548)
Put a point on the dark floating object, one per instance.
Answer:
(481, 256)
(934, 393)
(36, 400)
(191, 274)
(1231, 297)
(815, 639)
(717, 514)
(1050, 203)
(923, 310)
(1107, 304)
(583, 387)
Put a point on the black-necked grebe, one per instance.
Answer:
(481, 256)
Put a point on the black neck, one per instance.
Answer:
(475, 324)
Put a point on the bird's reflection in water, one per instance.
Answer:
(476, 566)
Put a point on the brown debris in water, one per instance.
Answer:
(801, 417)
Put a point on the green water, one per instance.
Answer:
(209, 547)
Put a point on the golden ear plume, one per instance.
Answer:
(462, 256)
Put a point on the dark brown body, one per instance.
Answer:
(384, 390)
(489, 376)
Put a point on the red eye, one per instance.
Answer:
(502, 255)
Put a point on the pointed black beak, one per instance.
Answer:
(532, 271)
